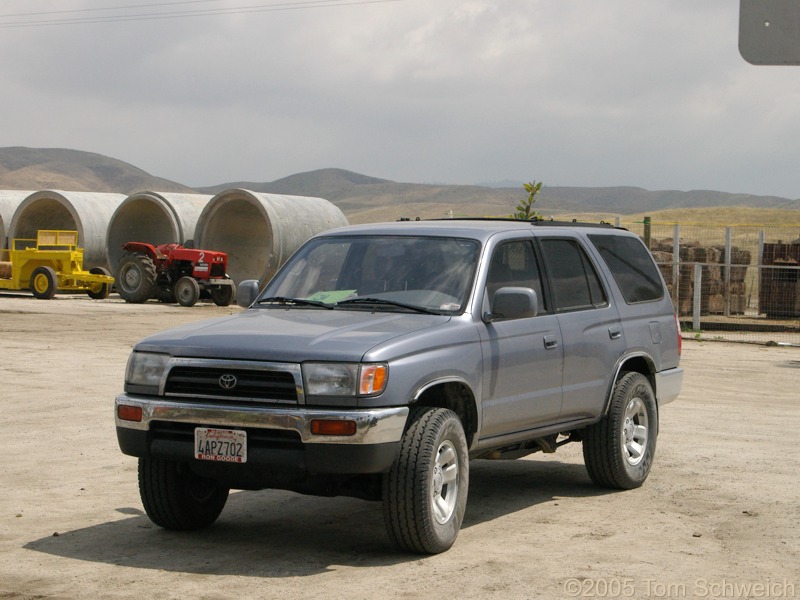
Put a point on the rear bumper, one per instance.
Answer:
(668, 385)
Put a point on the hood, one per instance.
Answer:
(289, 334)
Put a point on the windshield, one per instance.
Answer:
(425, 274)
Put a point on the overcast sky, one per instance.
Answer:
(569, 92)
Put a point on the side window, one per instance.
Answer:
(632, 267)
(514, 265)
(572, 277)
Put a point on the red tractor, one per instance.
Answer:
(171, 273)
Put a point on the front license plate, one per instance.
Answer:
(223, 445)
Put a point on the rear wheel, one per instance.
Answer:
(223, 295)
(99, 291)
(44, 283)
(187, 291)
(176, 498)
(619, 450)
(136, 277)
(425, 491)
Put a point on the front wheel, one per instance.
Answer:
(99, 291)
(619, 449)
(223, 295)
(176, 498)
(425, 491)
(44, 283)
(187, 291)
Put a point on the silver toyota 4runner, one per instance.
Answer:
(382, 358)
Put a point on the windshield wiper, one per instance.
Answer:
(384, 302)
(295, 302)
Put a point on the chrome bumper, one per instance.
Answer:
(668, 385)
(373, 426)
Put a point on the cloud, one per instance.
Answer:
(619, 92)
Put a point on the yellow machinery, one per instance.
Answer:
(50, 263)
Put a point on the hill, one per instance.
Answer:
(367, 199)
(362, 198)
(74, 170)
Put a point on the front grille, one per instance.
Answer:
(218, 381)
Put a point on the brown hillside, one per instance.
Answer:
(74, 170)
(365, 199)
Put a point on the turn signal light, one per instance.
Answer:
(334, 427)
(129, 413)
(373, 378)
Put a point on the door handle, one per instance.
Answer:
(614, 333)
(550, 341)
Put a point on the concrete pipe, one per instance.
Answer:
(9, 202)
(88, 213)
(155, 218)
(260, 231)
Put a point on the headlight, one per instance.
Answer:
(146, 368)
(344, 379)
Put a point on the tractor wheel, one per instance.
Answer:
(136, 277)
(99, 291)
(223, 295)
(44, 283)
(187, 291)
(164, 294)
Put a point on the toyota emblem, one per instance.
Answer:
(228, 381)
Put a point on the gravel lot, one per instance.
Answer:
(719, 516)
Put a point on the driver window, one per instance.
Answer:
(514, 265)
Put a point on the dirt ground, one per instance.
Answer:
(719, 516)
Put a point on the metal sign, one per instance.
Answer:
(769, 31)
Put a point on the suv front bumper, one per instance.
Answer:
(278, 437)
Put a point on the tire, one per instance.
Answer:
(619, 450)
(175, 498)
(136, 277)
(44, 283)
(164, 294)
(99, 291)
(223, 295)
(187, 291)
(425, 491)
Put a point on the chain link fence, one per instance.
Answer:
(736, 283)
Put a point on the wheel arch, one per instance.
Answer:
(454, 394)
(639, 362)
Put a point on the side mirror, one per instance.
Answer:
(246, 292)
(512, 303)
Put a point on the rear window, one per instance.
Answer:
(632, 267)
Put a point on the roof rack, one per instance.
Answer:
(534, 221)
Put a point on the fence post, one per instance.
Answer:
(676, 265)
(727, 281)
(647, 232)
(696, 302)
(761, 239)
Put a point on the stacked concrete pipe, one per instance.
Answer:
(155, 218)
(9, 202)
(260, 231)
(88, 213)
